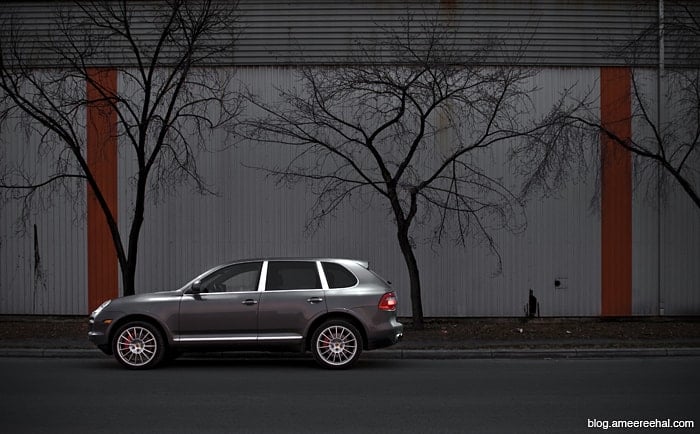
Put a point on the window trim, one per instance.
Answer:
(263, 277)
(322, 275)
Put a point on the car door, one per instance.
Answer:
(222, 307)
(292, 298)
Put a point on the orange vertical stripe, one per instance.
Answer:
(616, 193)
(103, 273)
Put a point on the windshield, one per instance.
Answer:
(200, 277)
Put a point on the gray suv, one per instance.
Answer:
(334, 308)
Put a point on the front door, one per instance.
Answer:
(222, 307)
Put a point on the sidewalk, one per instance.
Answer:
(455, 338)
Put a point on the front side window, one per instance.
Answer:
(235, 278)
(289, 275)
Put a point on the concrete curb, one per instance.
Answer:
(56, 353)
(398, 354)
(517, 353)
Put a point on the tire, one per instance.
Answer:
(138, 345)
(336, 344)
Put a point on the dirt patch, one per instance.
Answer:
(41, 327)
(479, 332)
(71, 332)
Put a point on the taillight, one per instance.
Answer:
(388, 302)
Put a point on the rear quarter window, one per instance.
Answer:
(338, 276)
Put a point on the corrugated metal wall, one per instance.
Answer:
(680, 253)
(566, 33)
(672, 282)
(666, 227)
(46, 274)
(252, 216)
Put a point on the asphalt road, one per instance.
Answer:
(378, 396)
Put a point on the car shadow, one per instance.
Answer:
(296, 361)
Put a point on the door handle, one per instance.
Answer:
(249, 302)
(313, 300)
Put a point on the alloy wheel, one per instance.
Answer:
(337, 345)
(138, 346)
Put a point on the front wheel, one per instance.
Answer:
(138, 345)
(336, 344)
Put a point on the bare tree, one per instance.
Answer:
(410, 120)
(665, 109)
(166, 105)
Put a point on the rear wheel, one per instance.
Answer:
(138, 345)
(336, 344)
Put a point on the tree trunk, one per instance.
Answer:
(129, 279)
(413, 274)
(129, 274)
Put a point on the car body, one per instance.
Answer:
(335, 308)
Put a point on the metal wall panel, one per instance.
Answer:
(645, 251)
(57, 282)
(251, 216)
(666, 239)
(680, 253)
(254, 217)
(680, 218)
(680, 223)
(666, 251)
(543, 32)
(645, 212)
(561, 242)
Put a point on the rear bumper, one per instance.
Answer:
(391, 335)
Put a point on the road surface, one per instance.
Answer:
(378, 396)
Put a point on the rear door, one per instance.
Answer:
(293, 297)
(222, 307)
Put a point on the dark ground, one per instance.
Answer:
(449, 333)
(224, 395)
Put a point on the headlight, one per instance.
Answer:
(99, 309)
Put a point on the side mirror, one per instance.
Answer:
(196, 288)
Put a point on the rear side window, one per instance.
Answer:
(338, 276)
(286, 275)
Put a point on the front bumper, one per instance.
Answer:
(98, 332)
